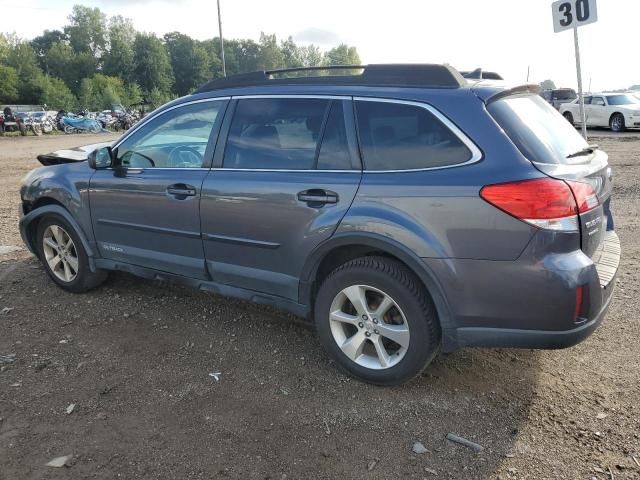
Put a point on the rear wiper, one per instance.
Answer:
(585, 151)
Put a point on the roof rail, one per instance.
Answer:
(408, 75)
(480, 74)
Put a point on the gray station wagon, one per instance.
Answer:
(402, 210)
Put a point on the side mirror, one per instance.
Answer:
(100, 158)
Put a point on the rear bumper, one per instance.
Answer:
(539, 339)
(530, 302)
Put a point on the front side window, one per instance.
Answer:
(598, 101)
(275, 133)
(175, 139)
(397, 136)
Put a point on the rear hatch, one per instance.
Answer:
(555, 148)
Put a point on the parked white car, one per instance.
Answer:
(617, 111)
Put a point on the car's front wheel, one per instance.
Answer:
(376, 321)
(63, 256)
(616, 123)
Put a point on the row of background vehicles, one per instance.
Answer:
(617, 110)
(46, 121)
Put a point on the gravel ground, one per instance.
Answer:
(135, 357)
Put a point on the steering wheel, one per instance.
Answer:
(185, 156)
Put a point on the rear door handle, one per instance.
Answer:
(181, 191)
(318, 197)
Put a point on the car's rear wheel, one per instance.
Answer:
(63, 256)
(616, 122)
(569, 117)
(376, 321)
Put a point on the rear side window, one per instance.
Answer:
(275, 133)
(334, 152)
(398, 136)
(537, 129)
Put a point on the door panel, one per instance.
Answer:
(285, 178)
(146, 209)
(257, 232)
(136, 220)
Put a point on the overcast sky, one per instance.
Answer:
(501, 35)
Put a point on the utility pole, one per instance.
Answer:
(224, 67)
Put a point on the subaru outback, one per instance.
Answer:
(401, 209)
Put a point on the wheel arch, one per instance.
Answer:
(614, 114)
(50, 206)
(344, 247)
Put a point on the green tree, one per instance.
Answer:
(342, 55)
(71, 67)
(25, 63)
(547, 85)
(99, 91)
(155, 97)
(311, 56)
(190, 61)
(118, 61)
(292, 55)
(133, 94)
(152, 66)
(87, 32)
(55, 93)
(8, 84)
(43, 43)
(271, 57)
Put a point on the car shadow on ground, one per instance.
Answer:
(167, 380)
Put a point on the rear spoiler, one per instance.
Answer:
(520, 90)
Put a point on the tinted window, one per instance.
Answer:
(622, 99)
(564, 95)
(275, 133)
(537, 129)
(597, 101)
(587, 101)
(334, 152)
(398, 136)
(175, 139)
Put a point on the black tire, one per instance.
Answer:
(407, 291)
(616, 123)
(85, 279)
(569, 117)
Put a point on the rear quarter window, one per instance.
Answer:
(537, 129)
(402, 136)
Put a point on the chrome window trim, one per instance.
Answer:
(156, 115)
(476, 154)
(292, 95)
(283, 170)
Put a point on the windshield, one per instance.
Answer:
(622, 100)
(537, 129)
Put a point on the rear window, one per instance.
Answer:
(622, 100)
(564, 95)
(537, 129)
(398, 136)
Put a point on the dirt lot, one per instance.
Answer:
(135, 356)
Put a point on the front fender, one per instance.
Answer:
(27, 221)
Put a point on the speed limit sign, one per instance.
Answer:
(573, 13)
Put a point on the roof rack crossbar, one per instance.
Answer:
(409, 75)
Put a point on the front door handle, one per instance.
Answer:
(181, 191)
(317, 197)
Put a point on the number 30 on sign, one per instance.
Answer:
(573, 13)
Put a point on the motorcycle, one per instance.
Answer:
(80, 125)
(11, 123)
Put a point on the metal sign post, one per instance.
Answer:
(224, 67)
(573, 14)
(583, 116)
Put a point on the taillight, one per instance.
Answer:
(585, 197)
(544, 202)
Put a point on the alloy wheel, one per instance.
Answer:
(369, 327)
(60, 253)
